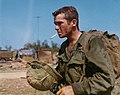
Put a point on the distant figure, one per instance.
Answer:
(16, 56)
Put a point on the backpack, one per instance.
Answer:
(112, 45)
(42, 76)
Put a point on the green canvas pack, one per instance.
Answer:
(42, 76)
(112, 44)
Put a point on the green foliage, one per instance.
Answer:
(0, 48)
(45, 44)
(55, 46)
(8, 47)
(37, 45)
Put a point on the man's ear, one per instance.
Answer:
(74, 22)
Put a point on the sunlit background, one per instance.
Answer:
(23, 21)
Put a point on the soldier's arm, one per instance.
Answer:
(102, 78)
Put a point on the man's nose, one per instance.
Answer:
(56, 27)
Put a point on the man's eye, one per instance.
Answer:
(58, 23)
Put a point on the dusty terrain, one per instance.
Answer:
(13, 81)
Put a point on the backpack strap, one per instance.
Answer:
(86, 37)
(84, 41)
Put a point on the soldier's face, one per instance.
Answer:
(62, 26)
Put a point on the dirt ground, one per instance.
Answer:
(13, 81)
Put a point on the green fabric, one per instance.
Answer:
(42, 76)
(89, 73)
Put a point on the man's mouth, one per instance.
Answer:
(59, 33)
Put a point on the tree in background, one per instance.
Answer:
(45, 44)
(0, 48)
(38, 46)
(35, 45)
(54, 46)
(8, 47)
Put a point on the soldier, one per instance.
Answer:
(84, 72)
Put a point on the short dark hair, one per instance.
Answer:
(70, 13)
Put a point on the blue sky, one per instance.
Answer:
(19, 25)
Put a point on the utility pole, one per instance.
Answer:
(37, 52)
(38, 17)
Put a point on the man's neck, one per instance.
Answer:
(74, 37)
(73, 40)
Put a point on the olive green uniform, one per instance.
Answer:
(89, 72)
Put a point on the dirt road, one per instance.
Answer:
(13, 75)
